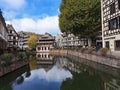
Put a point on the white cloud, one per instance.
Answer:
(9, 14)
(47, 24)
(14, 4)
(55, 74)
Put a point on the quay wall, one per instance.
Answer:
(109, 61)
(59, 52)
(12, 67)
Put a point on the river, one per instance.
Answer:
(48, 72)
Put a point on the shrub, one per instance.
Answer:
(7, 58)
(20, 55)
(90, 49)
(104, 51)
(28, 53)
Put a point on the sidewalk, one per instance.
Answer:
(115, 54)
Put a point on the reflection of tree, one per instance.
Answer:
(32, 63)
(7, 87)
(20, 80)
(83, 81)
(28, 73)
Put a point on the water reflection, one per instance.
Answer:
(60, 73)
(44, 80)
(7, 80)
(88, 78)
(45, 58)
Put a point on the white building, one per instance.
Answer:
(59, 39)
(3, 34)
(24, 36)
(13, 37)
(110, 10)
(72, 41)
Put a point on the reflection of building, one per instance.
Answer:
(45, 58)
(3, 34)
(111, 24)
(112, 85)
(71, 65)
(45, 43)
(13, 37)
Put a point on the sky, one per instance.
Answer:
(38, 16)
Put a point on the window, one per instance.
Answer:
(113, 24)
(39, 55)
(14, 37)
(112, 8)
(117, 45)
(45, 48)
(10, 31)
(107, 44)
(38, 48)
(118, 4)
(14, 43)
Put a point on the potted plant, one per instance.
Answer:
(82, 49)
(90, 49)
(104, 51)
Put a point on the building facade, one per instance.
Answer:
(12, 37)
(72, 41)
(3, 34)
(24, 36)
(59, 39)
(45, 43)
(110, 10)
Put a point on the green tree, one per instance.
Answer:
(81, 17)
(32, 41)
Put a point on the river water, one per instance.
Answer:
(47, 72)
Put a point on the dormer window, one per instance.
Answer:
(10, 31)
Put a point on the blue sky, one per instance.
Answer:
(37, 16)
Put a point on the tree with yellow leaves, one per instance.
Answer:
(32, 41)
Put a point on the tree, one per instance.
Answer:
(80, 17)
(32, 41)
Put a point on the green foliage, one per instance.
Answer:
(104, 51)
(20, 55)
(7, 58)
(28, 53)
(80, 17)
(32, 41)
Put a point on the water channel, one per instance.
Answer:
(48, 72)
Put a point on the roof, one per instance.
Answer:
(11, 28)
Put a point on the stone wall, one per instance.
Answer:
(59, 52)
(98, 59)
(12, 67)
(112, 62)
